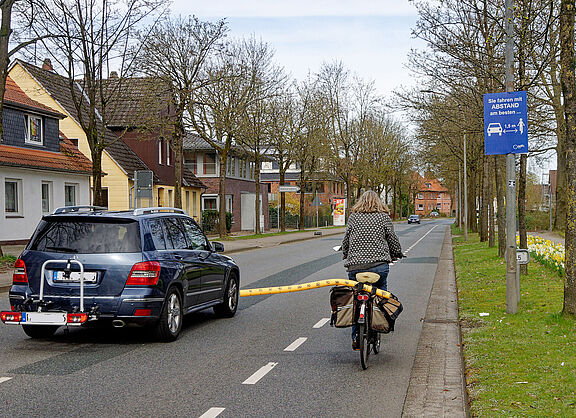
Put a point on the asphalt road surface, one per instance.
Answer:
(277, 357)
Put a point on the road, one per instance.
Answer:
(277, 357)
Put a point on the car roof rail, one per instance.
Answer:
(160, 209)
(82, 208)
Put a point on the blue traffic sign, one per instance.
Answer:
(505, 123)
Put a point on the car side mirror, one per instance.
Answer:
(218, 247)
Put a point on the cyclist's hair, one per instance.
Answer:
(369, 202)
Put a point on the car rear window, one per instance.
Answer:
(88, 237)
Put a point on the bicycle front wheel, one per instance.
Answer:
(363, 339)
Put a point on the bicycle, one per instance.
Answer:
(368, 340)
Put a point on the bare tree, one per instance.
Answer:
(87, 39)
(266, 82)
(175, 52)
(216, 109)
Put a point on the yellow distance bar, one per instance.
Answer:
(308, 286)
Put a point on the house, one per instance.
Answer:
(40, 169)
(203, 160)
(431, 196)
(326, 186)
(129, 150)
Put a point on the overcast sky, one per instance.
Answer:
(371, 37)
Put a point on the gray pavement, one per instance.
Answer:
(549, 235)
(437, 383)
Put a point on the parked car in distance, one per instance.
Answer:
(434, 214)
(146, 267)
(414, 219)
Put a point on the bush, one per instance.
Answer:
(211, 218)
(537, 220)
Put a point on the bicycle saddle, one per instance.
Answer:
(367, 277)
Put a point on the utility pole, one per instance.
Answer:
(512, 291)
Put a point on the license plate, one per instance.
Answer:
(41, 318)
(89, 277)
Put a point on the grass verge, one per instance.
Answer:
(517, 365)
(7, 263)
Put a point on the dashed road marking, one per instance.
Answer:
(212, 412)
(321, 323)
(4, 379)
(263, 371)
(296, 344)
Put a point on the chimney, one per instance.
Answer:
(47, 65)
(113, 74)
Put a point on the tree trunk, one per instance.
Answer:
(522, 208)
(490, 194)
(567, 17)
(222, 196)
(282, 203)
(97, 195)
(302, 201)
(5, 32)
(561, 211)
(177, 148)
(484, 201)
(257, 200)
(472, 204)
(348, 199)
(499, 162)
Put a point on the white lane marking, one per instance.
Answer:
(423, 236)
(321, 323)
(4, 379)
(263, 371)
(296, 344)
(212, 412)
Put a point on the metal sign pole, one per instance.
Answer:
(512, 294)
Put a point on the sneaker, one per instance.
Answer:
(355, 345)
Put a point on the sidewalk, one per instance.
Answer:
(232, 246)
(549, 235)
(437, 384)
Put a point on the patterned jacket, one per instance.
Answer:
(370, 238)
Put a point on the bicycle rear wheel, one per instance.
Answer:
(376, 342)
(363, 339)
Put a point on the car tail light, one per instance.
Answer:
(362, 297)
(145, 273)
(76, 318)
(142, 312)
(10, 316)
(19, 275)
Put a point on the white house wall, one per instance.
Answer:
(21, 226)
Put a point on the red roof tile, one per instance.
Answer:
(15, 95)
(69, 159)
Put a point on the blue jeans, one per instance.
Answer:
(382, 270)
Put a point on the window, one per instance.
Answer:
(46, 196)
(12, 196)
(176, 234)
(34, 130)
(192, 163)
(167, 153)
(69, 195)
(160, 151)
(420, 206)
(428, 185)
(228, 203)
(194, 236)
(86, 237)
(210, 203)
(157, 234)
(187, 201)
(170, 192)
(209, 163)
(194, 209)
(439, 206)
(233, 166)
(267, 165)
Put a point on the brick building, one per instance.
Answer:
(432, 196)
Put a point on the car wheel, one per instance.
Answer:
(40, 331)
(170, 322)
(227, 309)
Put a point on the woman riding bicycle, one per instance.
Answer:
(370, 243)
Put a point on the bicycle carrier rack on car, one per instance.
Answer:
(42, 315)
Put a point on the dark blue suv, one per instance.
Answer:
(147, 267)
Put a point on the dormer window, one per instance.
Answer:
(428, 185)
(34, 130)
